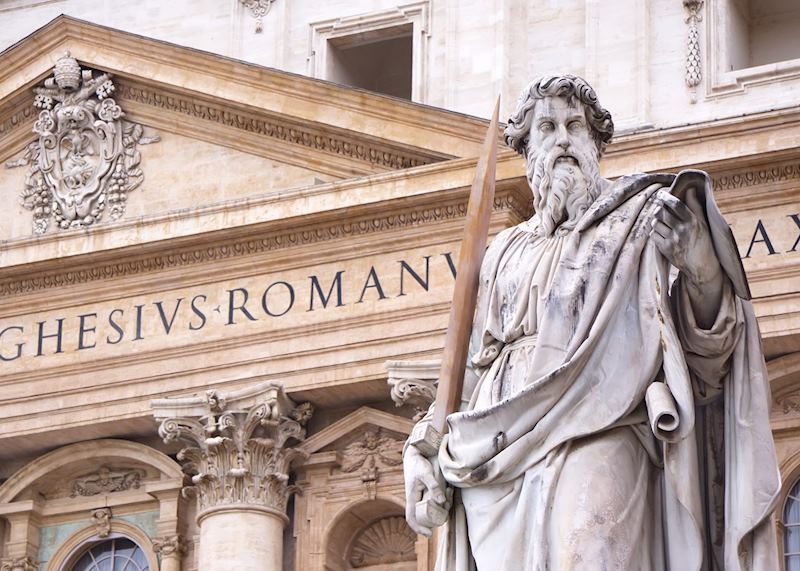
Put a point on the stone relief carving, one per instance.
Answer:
(694, 72)
(101, 519)
(106, 481)
(388, 540)
(240, 455)
(372, 452)
(85, 160)
(259, 9)
(413, 383)
(18, 564)
(170, 546)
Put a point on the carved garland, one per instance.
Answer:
(451, 211)
(694, 72)
(85, 160)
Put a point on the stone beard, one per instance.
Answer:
(564, 184)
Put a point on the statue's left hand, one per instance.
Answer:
(681, 234)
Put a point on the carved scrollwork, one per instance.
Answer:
(85, 161)
(259, 9)
(413, 383)
(170, 546)
(241, 455)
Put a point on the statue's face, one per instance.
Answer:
(563, 163)
(559, 126)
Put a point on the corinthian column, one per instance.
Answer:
(241, 448)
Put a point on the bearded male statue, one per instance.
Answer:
(615, 412)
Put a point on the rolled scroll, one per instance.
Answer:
(662, 411)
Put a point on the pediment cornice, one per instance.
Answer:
(253, 108)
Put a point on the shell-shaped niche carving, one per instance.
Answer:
(388, 540)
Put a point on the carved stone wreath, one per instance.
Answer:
(85, 161)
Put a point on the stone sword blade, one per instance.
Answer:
(465, 293)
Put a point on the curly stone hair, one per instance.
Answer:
(567, 86)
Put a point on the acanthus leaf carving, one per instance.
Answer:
(85, 160)
(241, 455)
(413, 383)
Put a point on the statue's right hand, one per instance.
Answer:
(421, 481)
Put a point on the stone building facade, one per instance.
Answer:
(229, 233)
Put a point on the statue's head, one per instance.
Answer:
(561, 130)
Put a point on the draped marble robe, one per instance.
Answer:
(555, 464)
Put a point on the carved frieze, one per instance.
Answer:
(85, 160)
(509, 201)
(106, 481)
(238, 454)
(388, 540)
(101, 519)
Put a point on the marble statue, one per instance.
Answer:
(615, 406)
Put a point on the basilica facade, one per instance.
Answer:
(229, 242)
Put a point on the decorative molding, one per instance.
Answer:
(694, 71)
(18, 564)
(414, 383)
(328, 140)
(509, 201)
(101, 519)
(170, 546)
(259, 9)
(371, 453)
(242, 445)
(105, 481)
(85, 159)
(757, 177)
(788, 405)
(386, 541)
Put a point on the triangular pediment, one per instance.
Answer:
(344, 432)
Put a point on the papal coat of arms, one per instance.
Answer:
(84, 162)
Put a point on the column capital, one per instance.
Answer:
(241, 444)
(18, 564)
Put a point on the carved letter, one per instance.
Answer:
(242, 308)
(115, 326)
(764, 239)
(82, 330)
(405, 267)
(42, 337)
(168, 324)
(198, 313)
(796, 219)
(265, 305)
(372, 277)
(315, 287)
(19, 345)
(450, 263)
(138, 336)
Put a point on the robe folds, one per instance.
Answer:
(621, 389)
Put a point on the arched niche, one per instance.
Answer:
(47, 475)
(371, 535)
